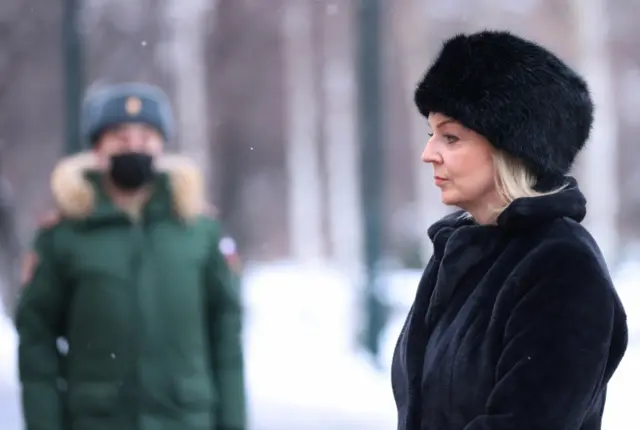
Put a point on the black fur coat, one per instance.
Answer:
(515, 326)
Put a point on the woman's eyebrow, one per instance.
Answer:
(443, 122)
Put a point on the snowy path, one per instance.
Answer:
(302, 372)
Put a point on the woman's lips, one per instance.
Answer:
(439, 180)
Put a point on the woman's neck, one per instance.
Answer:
(486, 211)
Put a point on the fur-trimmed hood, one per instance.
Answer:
(74, 195)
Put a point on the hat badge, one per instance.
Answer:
(133, 106)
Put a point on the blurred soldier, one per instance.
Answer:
(132, 278)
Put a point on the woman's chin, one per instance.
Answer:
(449, 198)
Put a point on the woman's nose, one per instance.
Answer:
(430, 155)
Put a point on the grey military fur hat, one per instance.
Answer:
(132, 102)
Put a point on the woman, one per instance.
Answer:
(516, 324)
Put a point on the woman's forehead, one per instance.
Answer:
(437, 119)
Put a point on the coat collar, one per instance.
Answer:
(76, 197)
(527, 212)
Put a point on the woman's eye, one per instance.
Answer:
(450, 138)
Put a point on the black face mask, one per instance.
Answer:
(131, 170)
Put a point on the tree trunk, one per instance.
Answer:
(31, 126)
(626, 64)
(345, 217)
(305, 197)
(601, 153)
(188, 27)
(126, 41)
(318, 31)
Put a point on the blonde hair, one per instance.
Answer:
(514, 180)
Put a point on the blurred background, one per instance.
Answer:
(300, 112)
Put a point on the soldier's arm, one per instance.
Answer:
(40, 322)
(225, 312)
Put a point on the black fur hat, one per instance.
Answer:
(521, 97)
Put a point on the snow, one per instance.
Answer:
(8, 353)
(301, 353)
(300, 344)
(308, 342)
(623, 388)
(627, 284)
(622, 396)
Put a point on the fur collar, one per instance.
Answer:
(74, 195)
(527, 212)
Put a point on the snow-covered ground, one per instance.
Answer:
(8, 356)
(301, 348)
(302, 362)
(9, 390)
(620, 412)
(302, 320)
(627, 281)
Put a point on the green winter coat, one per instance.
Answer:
(149, 311)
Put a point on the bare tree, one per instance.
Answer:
(127, 41)
(601, 154)
(305, 196)
(31, 122)
(341, 145)
(20, 29)
(30, 101)
(626, 60)
(187, 22)
(9, 249)
(247, 119)
(18, 34)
